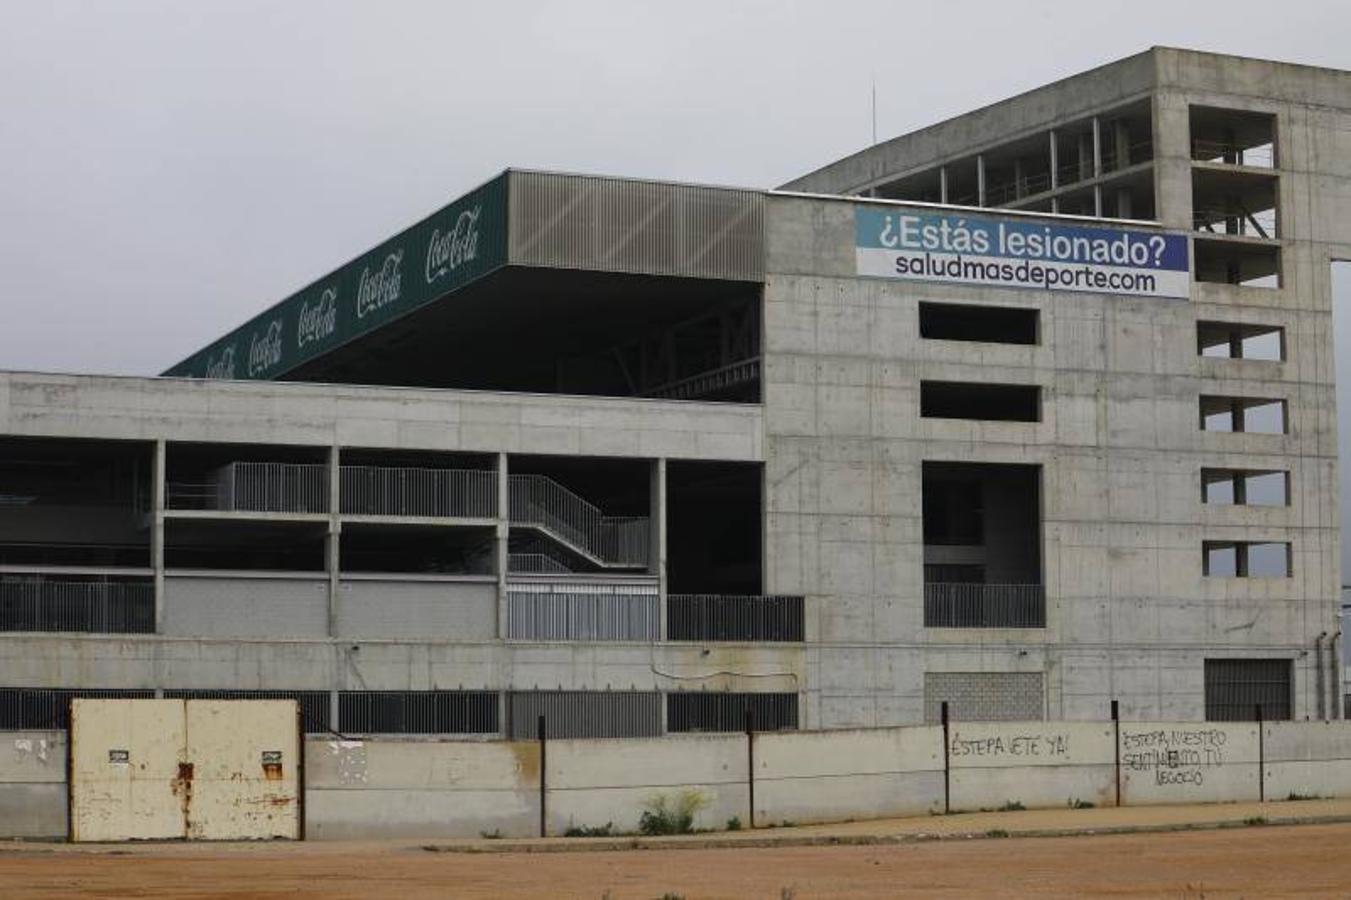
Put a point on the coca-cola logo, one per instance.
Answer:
(318, 321)
(382, 287)
(449, 250)
(222, 366)
(265, 349)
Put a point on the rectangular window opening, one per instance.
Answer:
(985, 324)
(1239, 690)
(1232, 340)
(987, 402)
(1247, 559)
(1258, 415)
(1244, 487)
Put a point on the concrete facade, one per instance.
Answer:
(1130, 614)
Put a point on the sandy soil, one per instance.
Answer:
(1270, 861)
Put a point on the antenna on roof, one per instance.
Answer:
(874, 108)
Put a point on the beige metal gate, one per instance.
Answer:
(196, 769)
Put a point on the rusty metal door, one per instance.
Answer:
(196, 769)
(125, 759)
(244, 756)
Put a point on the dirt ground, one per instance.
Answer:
(1259, 861)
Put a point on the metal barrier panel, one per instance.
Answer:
(583, 612)
(975, 605)
(408, 491)
(93, 607)
(726, 711)
(418, 712)
(1235, 688)
(584, 714)
(730, 617)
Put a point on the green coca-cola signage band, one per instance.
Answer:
(445, 251)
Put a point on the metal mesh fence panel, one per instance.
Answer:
(726, 617)
(314, 705)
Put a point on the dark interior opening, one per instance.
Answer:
(969, 400)
(713, 527)
(969, 322)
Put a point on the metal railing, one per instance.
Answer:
(406, 491)
(583, 612)
(535, 564)
(733, 617)
(256, 487)
(540, 502)
(93, 607)
(1262, 157)
(963, 605)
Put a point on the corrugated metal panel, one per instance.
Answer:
(584, 714)
(570, 611)
(618, 225)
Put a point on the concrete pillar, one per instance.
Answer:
(980, 180)
(942, 184)
(1019, 178)
(1055, 161)
(1097, 200)
(157, 531)
(656, 564)
(1097, 147)
(502, 535)
(1085, 157)
(333, 540)
(1121, 143)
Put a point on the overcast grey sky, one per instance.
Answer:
(169, 168)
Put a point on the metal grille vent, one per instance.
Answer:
(616, 225)
(718, 711)
(1235, 688)
(584, 714)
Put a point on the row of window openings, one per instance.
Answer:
(1016, 325)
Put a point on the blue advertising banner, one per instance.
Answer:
(1023, 253)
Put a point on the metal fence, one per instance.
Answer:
(963, 605)
(583, 612)
(49, 708)
(314, 705)
(1235, 688)
(95, 607)
(540, 502)
(584, 714)
(726, 711)
(732, 617)
(407, 491)
(418, 712)
(256, 487)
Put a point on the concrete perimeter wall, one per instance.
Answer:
(407, 788)
(32, 784)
